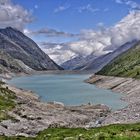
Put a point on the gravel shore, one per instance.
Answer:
(31, 115)
(130, 90)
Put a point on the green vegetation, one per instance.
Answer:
(112, 132)
(125, 65)
(6, 102)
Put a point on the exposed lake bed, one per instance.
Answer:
(32, 115)
(129, 88)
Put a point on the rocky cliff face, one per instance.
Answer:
(24, 50)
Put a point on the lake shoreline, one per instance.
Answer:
(69, 86)
(129, 88)
(32, 116)
(11, 75)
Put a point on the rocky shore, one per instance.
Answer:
(130, 90)
(31, 116)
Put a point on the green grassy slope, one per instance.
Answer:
(112, 132)
(6, 102)
(125, 65)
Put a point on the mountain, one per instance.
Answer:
(126, 64)
(77, 62)
(23, 51)
(7, 63)
(98, 63)
(72, 63)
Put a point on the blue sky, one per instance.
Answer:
(48, 13)
(67, 28)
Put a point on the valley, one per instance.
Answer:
(70, 70)
(40, 96)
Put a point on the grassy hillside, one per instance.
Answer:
(6, 102)
(125, 65)
(112, 132)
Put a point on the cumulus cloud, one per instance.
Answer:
(48, 32)
(58, 52)
(128, 29)
(98, 42)
(13, 15)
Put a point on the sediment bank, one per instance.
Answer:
(130, 90)
(31, 116)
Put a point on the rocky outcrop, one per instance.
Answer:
(8, 64)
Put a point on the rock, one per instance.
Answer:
(69, 138)
(18, 53)
(130, 89)
(34, 116)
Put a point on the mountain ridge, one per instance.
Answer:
(20, 47)
(103, 60)
(126, 64)
(78, 62)
(97, 63)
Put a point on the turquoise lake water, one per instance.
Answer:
(69, 89)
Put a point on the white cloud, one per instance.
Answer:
(61, 8)
(88, 8)
(58, 52)
(48, 32)
(99, 42)
(126, 30)
(132, 4)
(27, 32)
(13, 15)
